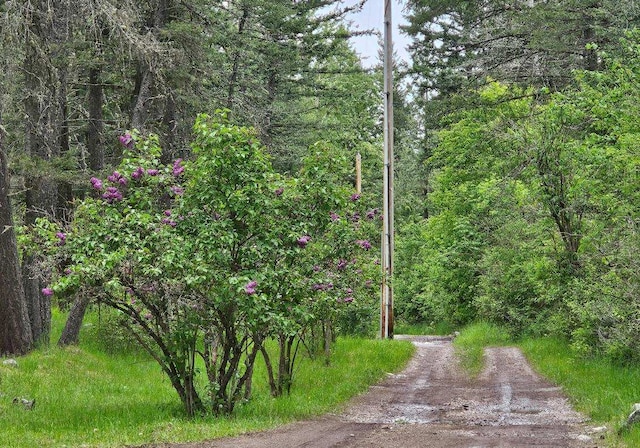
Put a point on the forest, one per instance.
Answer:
(186, 168)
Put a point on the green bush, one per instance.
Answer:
(437, 260)
(103, 330)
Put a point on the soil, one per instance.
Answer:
(433, 403)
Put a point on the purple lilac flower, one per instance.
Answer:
(177, 167)
(62, 238)
(303, 241)
(349, 291)
(348, 299)
(318, 287)
(355, 197)
(148, 316)
(126, 140)
(371, 214)
(138, 173)
(117, 178)
(152, 172)
(279, 191)
(342, 264)
(96, 183)
(47, 292)
(167, 213)
(365, 244)
(169, 222)
(177, 190)
(329, 285)
(112, 195)
(250, 288)
(355, 217)
(334, 216)
(67, 271)
(316, 268)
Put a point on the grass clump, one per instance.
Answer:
(94, 396)
(470, 344)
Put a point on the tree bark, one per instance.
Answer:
(233, 79)
(147, 80)
(38, 305)
(142, 97)
(71, 332)
(170, 124)
(15, 330)
(96, 125)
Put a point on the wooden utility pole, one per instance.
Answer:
(386, 313)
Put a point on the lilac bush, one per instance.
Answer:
(202, 275)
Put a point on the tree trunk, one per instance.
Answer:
(47, 136)
(147, 79)
(15, 330)
(96, 125)
(142, 97)
(233, 79)
(328, 339)
(170, 125)
(567, 216)
(36, 303)
(71, 332)
(272, 380)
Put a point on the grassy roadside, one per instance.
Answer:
(596, 387)
(88, 397)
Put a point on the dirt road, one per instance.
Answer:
(433, 404)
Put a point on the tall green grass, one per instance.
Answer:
(90, 396)
(597, 387)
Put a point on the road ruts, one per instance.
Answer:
(432, 403)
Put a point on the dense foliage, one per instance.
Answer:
(534, 213)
